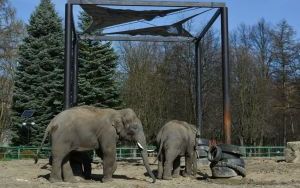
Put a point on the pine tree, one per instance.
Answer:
(39, 76)
(97, 69)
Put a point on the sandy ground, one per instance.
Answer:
(260, 173)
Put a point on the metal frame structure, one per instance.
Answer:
(71, 51)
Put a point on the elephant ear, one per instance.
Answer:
(117, 123)
(128, 116)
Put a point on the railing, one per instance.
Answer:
(24, 152)
(262, 151)
(133, 152)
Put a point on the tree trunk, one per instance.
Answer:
(261, 140)
(241, 138)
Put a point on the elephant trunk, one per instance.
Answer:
(141, 141)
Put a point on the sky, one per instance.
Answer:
(240, 11)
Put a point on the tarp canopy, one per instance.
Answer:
(175, 29)
(105, 17)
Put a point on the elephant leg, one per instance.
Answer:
(109, 159)
(194, 163)
(114, 167)
(188, 166)
(57, 159)
(76, 163)
(108, 166)
(168, 165)
(87, 170)
(67, 170)
(160, 166)
(176, 167)
(87, 165)
(55, 175)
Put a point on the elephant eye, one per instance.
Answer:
(134, 127)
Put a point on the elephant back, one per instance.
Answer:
(175, 126)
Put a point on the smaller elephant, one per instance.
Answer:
(176, 139)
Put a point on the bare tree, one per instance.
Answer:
(211, 85)
(261, 48)
(10, 32)
(143, 89)
(246, 88)
(285, 67)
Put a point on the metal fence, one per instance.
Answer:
(22, 152)
(25, 152)
(262, 151)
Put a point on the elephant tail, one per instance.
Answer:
(159, 151)
(48, 130)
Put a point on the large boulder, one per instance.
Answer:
(292, 152)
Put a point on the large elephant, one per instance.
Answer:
(176, 139)
(86, 128)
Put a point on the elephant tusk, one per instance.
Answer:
(140, 146)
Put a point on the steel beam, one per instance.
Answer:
(225, 75)
(198, 74)
(148, 3)
(208, 25)
(138, 38)
(68, 56)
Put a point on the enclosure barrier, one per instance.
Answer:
(263, 151)
(27, 152)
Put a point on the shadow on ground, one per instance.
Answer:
(95, 177)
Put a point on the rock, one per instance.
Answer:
(292, 152)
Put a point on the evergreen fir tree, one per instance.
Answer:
(97, 69)
(39, 76)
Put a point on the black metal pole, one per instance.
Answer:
(208, 25)
(68, 56)
(75, 70)
(225, 74)
(198, 87)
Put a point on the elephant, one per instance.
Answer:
(86, 128)
(176, 139)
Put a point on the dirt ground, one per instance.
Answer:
(260, 173)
